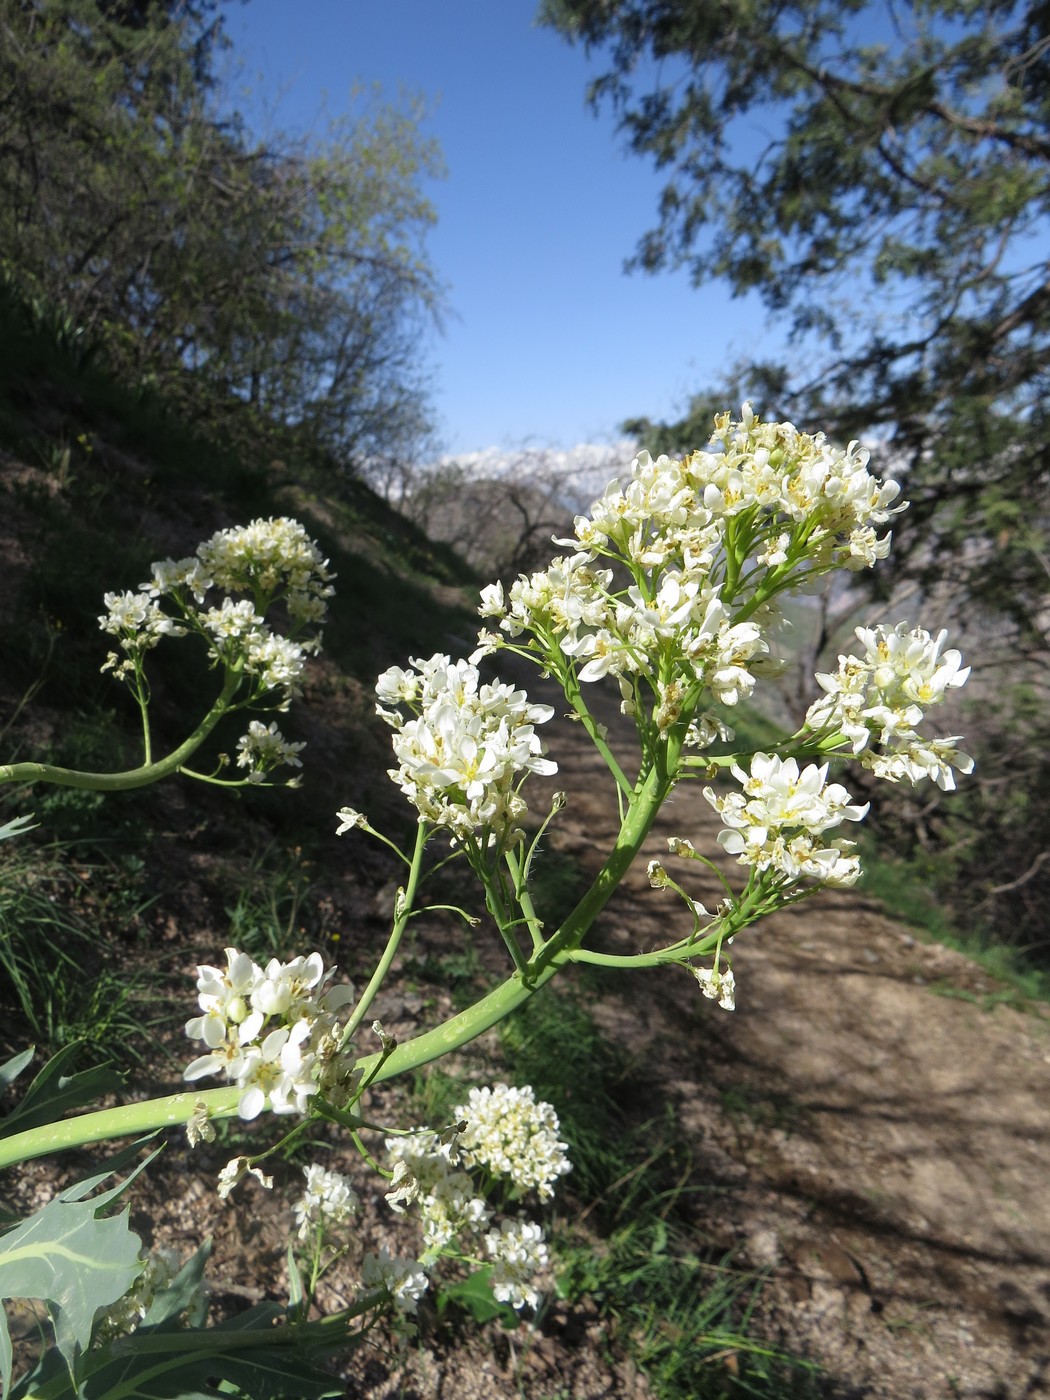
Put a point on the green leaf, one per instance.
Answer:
(295, 1283)
(52, 1093)
(184, 1293)
(476, 1296)
(6, 1353)
(17, 826)
(12, 1068)
(250, 1352)
(73, 1261)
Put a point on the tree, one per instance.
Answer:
(285, 276)
(894, 209)
(499, 510)
(880, 175)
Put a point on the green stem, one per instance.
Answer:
(521, 894)
(147, 738)
(132, 777)
(125, 1120)
(624, 960)
(400, 924)
(175, 1110)
(556, 952)
(574, 695)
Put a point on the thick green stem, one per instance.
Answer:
(132, 777)
(125, 1120)
(502, 1000)
(176, 1109)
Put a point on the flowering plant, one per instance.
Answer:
(672, 586)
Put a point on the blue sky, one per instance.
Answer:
(547, 340)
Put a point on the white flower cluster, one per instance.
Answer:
(327, 1205)
(271, 560)
(274, 1032)
(404, 1280)
(264, 748)
(778, 822)
(510, 1135)
(628, 635)
(790, 505)
(139, 622)
(426, 1175)
(881, 697)
(518, 1253)
(466, 750)
(515, 1136)
(123, 1316)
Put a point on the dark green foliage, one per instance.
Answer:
(893, 207)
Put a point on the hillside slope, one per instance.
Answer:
(876, 1148)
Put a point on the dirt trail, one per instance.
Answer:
(881, 1148)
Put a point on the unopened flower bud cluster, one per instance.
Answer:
(513, 1138)
(467, 747)
(273, 1031)
(272, 561)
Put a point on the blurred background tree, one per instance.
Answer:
(285, 278)
(879, 174)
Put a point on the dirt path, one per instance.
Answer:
(881, 1148)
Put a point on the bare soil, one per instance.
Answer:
(879, 1137)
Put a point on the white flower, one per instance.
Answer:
(782, 814)
(513, 1135)
(282, 1064)
(234, 1172)
(656, 875)
(404, 1187)
(402, 1278)
(328, 1204)
(463, 755)
(879, 699)
(274, 557)
(720, 985)
(518, 1253)
(224, 999)
(199, 1127)
(264, 748)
